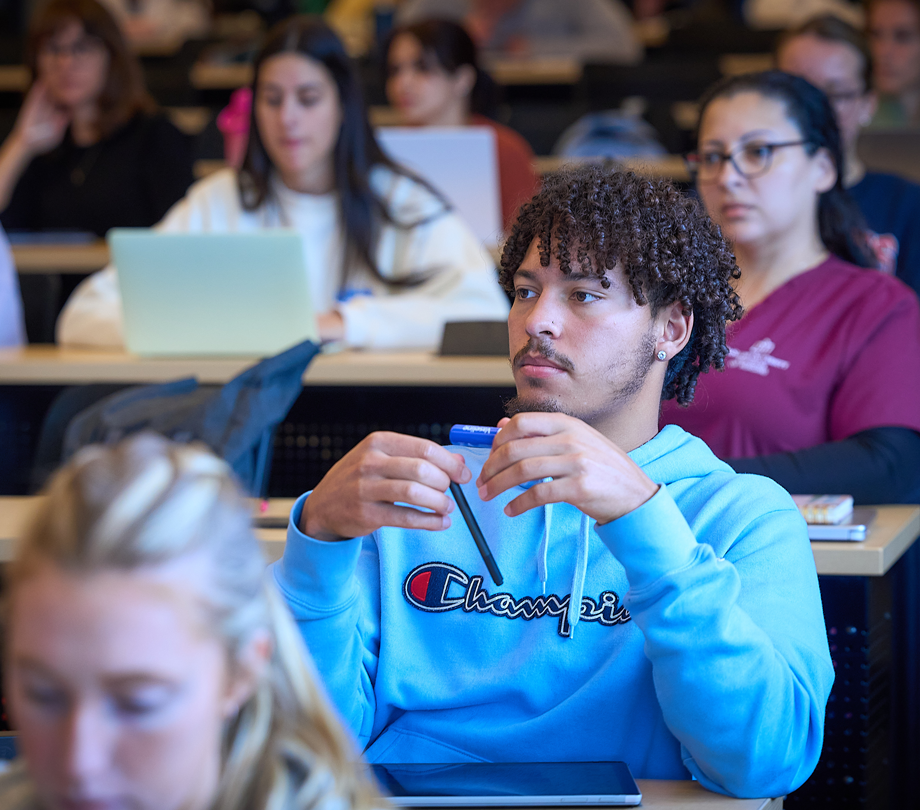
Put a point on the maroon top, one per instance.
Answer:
(834, 351)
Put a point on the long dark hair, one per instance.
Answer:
(356, 150)
(840, 223)
(450, 47)
(123, 94)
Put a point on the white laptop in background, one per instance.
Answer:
(461, 162)
(231, 294)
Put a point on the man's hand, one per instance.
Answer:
(588, 470)
(358, 495)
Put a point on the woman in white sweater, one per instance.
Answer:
(389, 261)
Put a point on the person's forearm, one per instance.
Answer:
(319, 582)
(880, 465)
(741, 683)
(14, 157)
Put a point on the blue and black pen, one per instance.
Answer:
(475, 436)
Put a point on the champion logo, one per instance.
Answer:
(438, 587)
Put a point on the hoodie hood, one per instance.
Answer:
(674, 455)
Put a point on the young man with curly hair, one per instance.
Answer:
(698, 646)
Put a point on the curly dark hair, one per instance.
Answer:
(597, 219)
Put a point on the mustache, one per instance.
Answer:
(543, 348)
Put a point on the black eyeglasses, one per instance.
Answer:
(750, 159)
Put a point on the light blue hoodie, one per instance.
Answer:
(701, 647)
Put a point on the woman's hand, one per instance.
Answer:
(40, 125)
(331, 326)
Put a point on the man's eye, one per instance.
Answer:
(523, 293)
(584, 297)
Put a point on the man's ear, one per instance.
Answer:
(245, 674)
(674, 330)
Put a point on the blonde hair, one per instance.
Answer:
(147, 501)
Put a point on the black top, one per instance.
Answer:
(127, 180)
(891, 206)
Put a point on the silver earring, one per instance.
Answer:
(662, 355)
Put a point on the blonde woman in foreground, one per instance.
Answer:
(149, 663)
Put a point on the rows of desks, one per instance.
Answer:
(51, 365)
(893, 530)
(890, 535)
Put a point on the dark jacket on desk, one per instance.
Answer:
(237, 420)
(130, 179)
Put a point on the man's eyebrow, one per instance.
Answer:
(573, 276)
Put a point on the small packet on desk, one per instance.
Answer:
(824, 509)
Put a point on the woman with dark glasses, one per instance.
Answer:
(821, 389)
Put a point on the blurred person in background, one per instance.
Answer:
(893, 27)
(389, 262)
(584, 30)
(433, 79)
(149, 662)
(835, 58)
(88, 151)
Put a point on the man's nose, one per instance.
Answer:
(545, 317)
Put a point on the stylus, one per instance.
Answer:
(481, 543)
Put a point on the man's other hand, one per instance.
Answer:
(587, 469)
(359, 494)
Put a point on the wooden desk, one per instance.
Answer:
(51, 365)
(658, 794)
(86, 258)
(890, 535)
(895, 528)
(217, 76)
(207, 75)
(551, 70)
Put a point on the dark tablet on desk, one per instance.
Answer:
(508, 784)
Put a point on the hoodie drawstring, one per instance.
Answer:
(581, 564)
(578, 575)
(544, 545)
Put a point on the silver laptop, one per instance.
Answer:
(232, 294)
(461, 162)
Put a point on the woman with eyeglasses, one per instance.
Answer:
(88, 151)
(821, 388)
